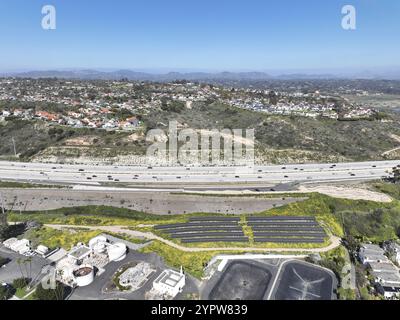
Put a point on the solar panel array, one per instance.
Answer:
(286, 229)
(206, 229)
(275, 229)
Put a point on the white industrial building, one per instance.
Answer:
(78, 267)
(389, 292)
(372, 253)
(21, 246)
(135, 277)
(386, 275)
(397, 253)
(169, 283)
(42, 250)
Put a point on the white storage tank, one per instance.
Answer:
(98, 244)
(42, 250)
(97, 240)
(84, 275)
(117, 252)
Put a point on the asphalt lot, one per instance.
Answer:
(97, 290)
(13, 270)
(274, 279)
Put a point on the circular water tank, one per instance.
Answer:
(99, 247)
(84, 275)
(100, 239)
(117, 252)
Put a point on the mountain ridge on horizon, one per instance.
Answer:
(93, 74)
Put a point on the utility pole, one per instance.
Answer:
(15, 149)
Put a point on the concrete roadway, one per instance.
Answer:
(233, 177)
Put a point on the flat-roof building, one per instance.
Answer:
(372, 253)
(170, 283)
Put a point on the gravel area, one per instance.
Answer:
(150, 202)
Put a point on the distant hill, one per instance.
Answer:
(140, 76)
(91, 74)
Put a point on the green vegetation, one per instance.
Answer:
(377, 225)
(334, 260)
(283, 139)
(346, 294)
(21, 287)
(20, 283)
(193, 262)
(5, 293)
(390, 189)
(59, 238)
(59, 293)
(36, 137)
(127, 237)
(359, 219)
(22, 185)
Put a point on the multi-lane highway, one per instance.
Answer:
(192, 176)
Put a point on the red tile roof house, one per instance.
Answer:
(47, 115)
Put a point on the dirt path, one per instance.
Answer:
(390, 151)
(335, 241)
(348, 193)
(397, 139)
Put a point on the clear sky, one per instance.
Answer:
(199, 34)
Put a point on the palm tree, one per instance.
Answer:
(19, 263)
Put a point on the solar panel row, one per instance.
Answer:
(191, 224)
(292, 240)
(207, 234)
(289, 234)
(290, 228)
(205, 229)
(281, 218)
(282, 223)
(222, 239)
(202, 219)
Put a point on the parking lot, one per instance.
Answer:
(100, 288)
(17, 268)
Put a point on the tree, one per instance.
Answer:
(50, 294)
(5, 293)
(273, 98)
(20, 283)
(396, 174)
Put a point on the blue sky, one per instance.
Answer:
(199, 35)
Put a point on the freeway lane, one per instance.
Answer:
(192, 176)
